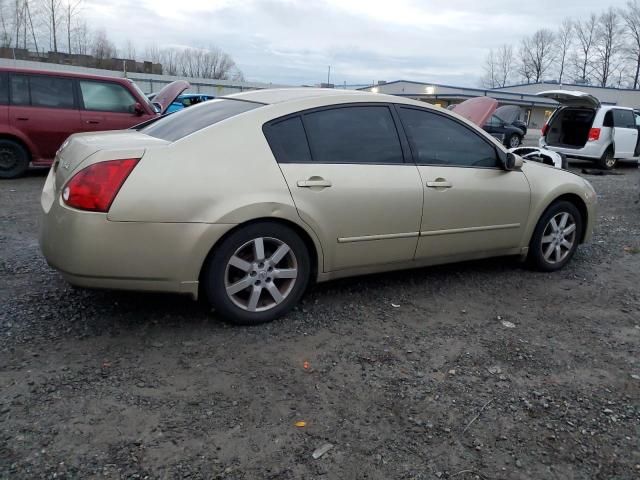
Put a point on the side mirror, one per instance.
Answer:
(137, 109)
(512, 161)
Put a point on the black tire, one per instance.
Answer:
(536, 256)
(217, 270)
(14, 159)
(607, 162)
(514, 141)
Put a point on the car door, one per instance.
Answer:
(471, 205)
(625, 134)
(43, 107)
(107, 106)
(350, 183)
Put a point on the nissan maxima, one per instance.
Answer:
(247, 199)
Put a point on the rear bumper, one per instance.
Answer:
(591, 151)
(91, 251)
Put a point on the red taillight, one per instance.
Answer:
(545, 129)
(94, 188)
(594, 134)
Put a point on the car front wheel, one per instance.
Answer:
(514, 141)
(556, 237)
(257, 274)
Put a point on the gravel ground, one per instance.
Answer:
(482, 370)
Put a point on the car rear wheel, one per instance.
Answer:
(14, 159)
(607, 162)
(257, 274)
(514, 141)
(556, 237)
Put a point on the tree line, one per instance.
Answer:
(601, 49)
(59, 26)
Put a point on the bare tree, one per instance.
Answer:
(71, 11)
(207, 63)
(102, 48)
(170, 59)
(631, 17)
(538, 52)
(54, 13)
(564, 41)
(81, 37)
(129, 50)
(525, 68)
(505, 60)
(490, 78)
(5, 22)
(585, 31)
(607, 46)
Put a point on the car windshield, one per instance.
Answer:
(185, 122)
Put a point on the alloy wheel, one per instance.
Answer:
(514, 141)
(559, 237)
(261, 274)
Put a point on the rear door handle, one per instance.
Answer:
(92, 122)
(22, 118)
(439, 184)
(314, 182)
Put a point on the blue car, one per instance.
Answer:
(186, 100)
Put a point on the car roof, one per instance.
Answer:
(62, 73)
(282, 95)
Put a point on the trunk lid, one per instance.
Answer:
(80, 146)
(571, 98)
(165, 97)
(477, 110)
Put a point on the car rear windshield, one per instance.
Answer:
(185, 122)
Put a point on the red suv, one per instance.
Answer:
(40, 109)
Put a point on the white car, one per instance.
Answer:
(583, 128)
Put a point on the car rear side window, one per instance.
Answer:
(358, 134)
(288, 141)
(623, 118)
(51, 92)
(20, 90)
(4, 88)
(106, 97)
(439, 140)
(185, 122)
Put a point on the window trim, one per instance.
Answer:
(414, 147)
(29, 76)
(82, 106)
(406, 156)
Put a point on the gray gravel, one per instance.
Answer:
(126, 385)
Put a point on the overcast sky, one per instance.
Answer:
(293, 41)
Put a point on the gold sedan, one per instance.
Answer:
(246, 199)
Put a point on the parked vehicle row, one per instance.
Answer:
(40, 109)
(247, 199)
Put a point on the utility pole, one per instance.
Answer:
(329, 74)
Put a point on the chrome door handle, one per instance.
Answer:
(439, 184)
(314, 182)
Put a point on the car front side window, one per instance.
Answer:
(439, 140)
(106, 97)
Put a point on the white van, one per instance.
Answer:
(583, 128)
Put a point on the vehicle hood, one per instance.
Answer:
(571, 98)
(477, 110)
(168, 94)
(508, 113)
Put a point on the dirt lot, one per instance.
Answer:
(411, 375)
